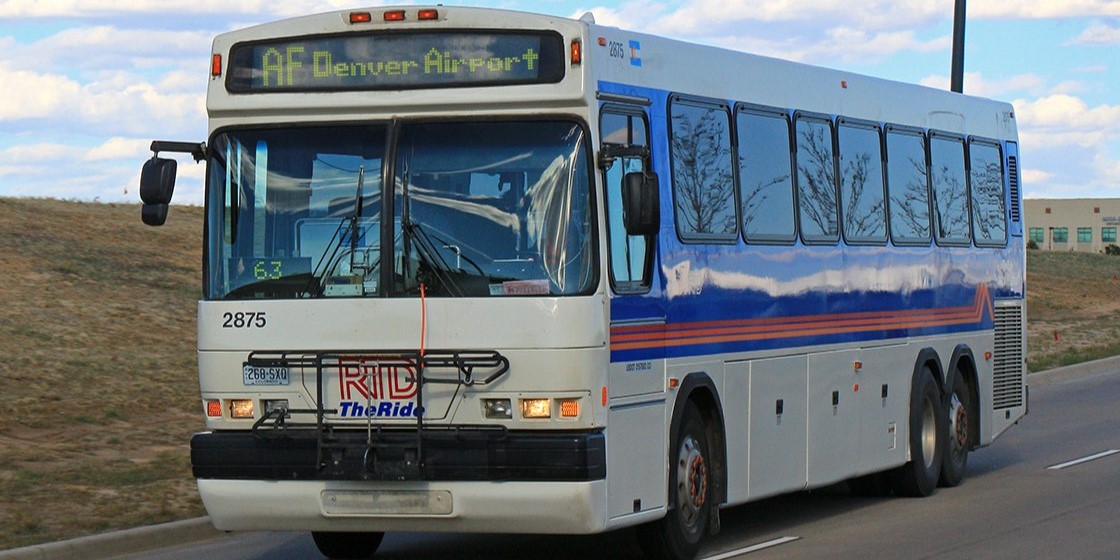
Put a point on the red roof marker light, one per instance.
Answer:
(427, 15)
(360, 17)
(394, 15)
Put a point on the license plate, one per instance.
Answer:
(262, 375)
(345, 503)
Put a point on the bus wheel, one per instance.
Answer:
(340, 546)
(959, 419)
(927, 428)
(678, 535)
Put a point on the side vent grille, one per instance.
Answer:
(1013, 177)
(1008, 374)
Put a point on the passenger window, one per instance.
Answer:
(861, 184)
(816, 181)
(908, 182)
(631, 256)
(949, 193)
(989, 216)
(765, 177)
(703, 184)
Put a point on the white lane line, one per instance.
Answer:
(752, 548)
(1100, 455)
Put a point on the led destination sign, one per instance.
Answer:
(395, 61)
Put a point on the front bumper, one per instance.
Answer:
(440, 455)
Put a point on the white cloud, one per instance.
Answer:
(1091, 69)
(1098, 34)
(976, 84)
(131, 149)
(1036, 176)
(1070, 144)
(1065, 119)
(107, 46)
(36, 160)
(1043, 9)
(38, 153)
(28, 95)
(118, 104)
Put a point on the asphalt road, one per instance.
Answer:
(1011, 505)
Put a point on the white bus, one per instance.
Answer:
(474, 270)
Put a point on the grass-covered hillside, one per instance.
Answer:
(98, 386)
(1073, 306)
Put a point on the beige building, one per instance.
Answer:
(1072, 224)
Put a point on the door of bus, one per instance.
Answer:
(635, 453)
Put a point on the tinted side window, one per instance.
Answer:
(989, 217)
(703, 184)
(949, 192)
(861, 184)
(908, 182)
(765, 177)
(816, 181)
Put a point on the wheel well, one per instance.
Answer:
(699, 390)
(967, 367)
(928, 358)
(706, 402)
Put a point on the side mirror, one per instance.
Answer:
(157, 184)
(641, 204)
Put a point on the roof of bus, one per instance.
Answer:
(714, 72)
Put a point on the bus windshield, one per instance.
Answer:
(479, 210)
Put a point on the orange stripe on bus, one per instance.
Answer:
(712, 332)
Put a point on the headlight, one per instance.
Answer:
(536, 408)
(241, 408)
(497, 408)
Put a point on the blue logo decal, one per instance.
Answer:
(635, 53)
(379, 409)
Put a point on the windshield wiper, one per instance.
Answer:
(430, 256)
(425, 248)
(357, 215)
(327, 263)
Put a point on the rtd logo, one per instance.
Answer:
(365, 378)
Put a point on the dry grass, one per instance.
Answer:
(99, 382)
(98, 371)
(1073, 301)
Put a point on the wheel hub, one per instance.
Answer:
(929, 432)
(692, 481)
(958, 425)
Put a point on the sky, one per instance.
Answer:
(86, 85)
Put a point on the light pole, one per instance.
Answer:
(957, 79)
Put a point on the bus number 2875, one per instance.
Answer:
(239, 320)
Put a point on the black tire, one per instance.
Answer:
(347, 546)
(959, 420)
(919, 477)
(679, 534)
